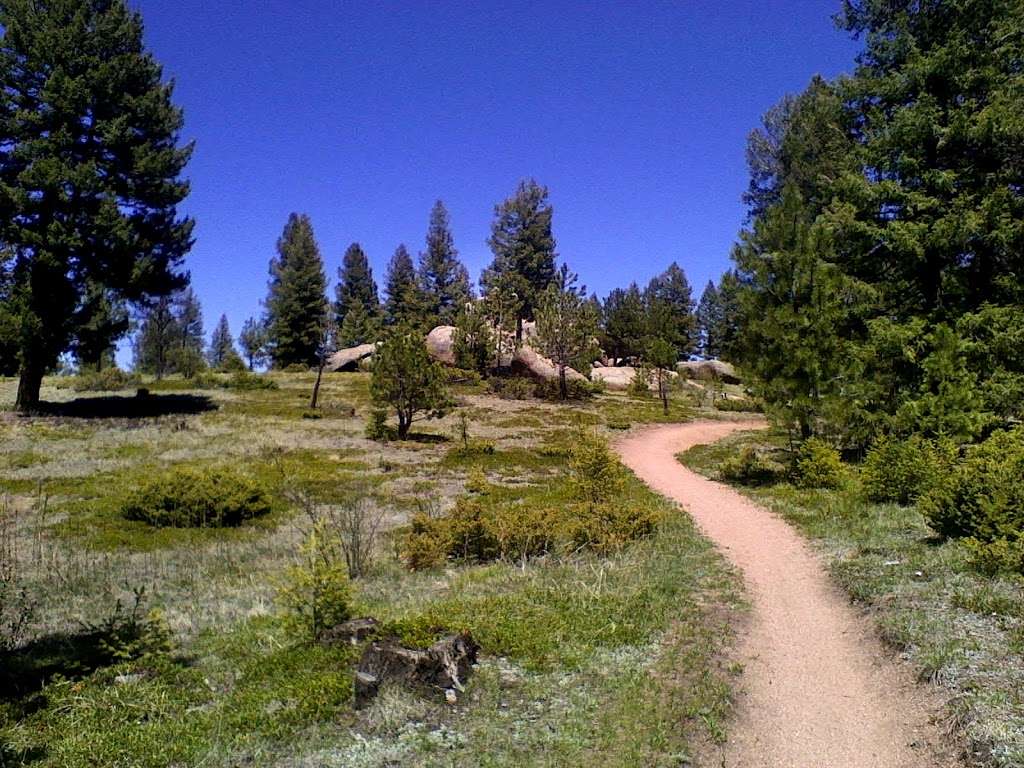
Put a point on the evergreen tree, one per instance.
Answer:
(83, 108)
(10, 322)
(158, 339)
(523, 247)
(624, 324)
(355, 286)
(669, 301)
(359, 327)
(566, 325)
(406, 380)
(443, 278)
(728, 331)
(222, 346)
(253, 340)
(187, 358)
(405, 301)
(296, 302)
(708, 321)
(473, 341)
(101, 321)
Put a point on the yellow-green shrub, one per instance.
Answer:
(902, 470)
(189, 497)
(983, 499)
(818, 465)
(751, 467)
(315, 593)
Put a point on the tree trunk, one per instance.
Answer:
(316, 387)
(403, 425)
(28, 386)
(563, 389)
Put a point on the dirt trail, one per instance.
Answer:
(818, 690)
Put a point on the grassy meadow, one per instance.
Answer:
(619, 656)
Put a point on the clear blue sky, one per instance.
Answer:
(361, 114)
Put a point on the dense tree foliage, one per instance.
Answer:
(405, 301)
(356, 288)
(669, 305)
(443, 279)
(524, 248)
(157, 339)
(566, 326)
(254, 341)
(297, 301)
(406, 380)
(879, 280)
(222, 352)
(90, 176)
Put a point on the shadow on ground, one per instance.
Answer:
(128, 407)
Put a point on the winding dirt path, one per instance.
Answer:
(818, 690)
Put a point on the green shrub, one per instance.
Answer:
(315, 593)
(296, 368)
(512, 388)
(818, 465)
(751, 467)
(640, 384)
(425, 544)
(996, 556)
(596, 476)
(463, 376)
(738, 405)
(188, 497)
(107, 380)
(576, 389)
(982, 498)
(377, 427)
(248, 381)
(902, 470)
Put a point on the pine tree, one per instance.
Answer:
(359, 327)
(253, 340)
(187, 357)
(624, 324)
(158, 339)
(83, 108)
(222, 346)
(709, 321)
(669, 301)
(406, 380)
(101, 321)
(297, 300)
(10, 317)
(405, 301)
(355, 286)
(443, 278)
(523, 247)
(566, 325)
(473, 340)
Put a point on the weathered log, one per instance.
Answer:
(351, 632)
(445, 666)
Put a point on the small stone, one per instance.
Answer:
(450, 696)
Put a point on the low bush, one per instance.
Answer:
(107, 380)
(296, 368)
(511, 388)
(640, 384)
(576, 389)
(818, 465)
(597, 514)
(982, 499)
(187, 497)
(738, 405)
(248, 381)
(901, 471)
(464, 376)
(315, 593)
(377, 427)
(751, 467)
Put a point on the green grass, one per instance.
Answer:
(621, 659)
(961, 629)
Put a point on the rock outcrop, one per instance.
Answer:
(441, 344)
(528, 362)
(349, 359)
(707, 370)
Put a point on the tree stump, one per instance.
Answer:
(445, 666)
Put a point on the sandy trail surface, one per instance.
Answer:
(818, 690)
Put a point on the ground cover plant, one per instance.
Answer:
(611, 642)
(950, 605)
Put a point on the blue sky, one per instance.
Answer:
(361, 114)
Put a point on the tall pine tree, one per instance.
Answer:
(524, 248)
(709, 312)
(670, 317)
(90, 165)
(443, 278)
(405, 301)
(222, 346)
(356, 287)
(297, 299)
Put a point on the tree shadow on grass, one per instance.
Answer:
(145, 406)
